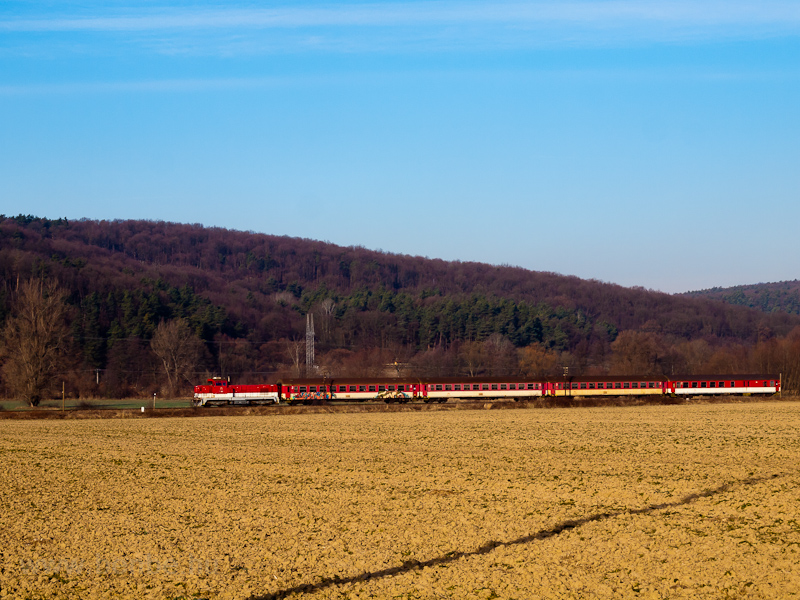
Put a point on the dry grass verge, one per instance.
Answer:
(88, 411)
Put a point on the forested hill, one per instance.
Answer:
(246, 296)
(767, 297)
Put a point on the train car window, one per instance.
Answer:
(485, 386)
(583, 386)
(591, 386)
(503, 386)
(390, 388)
(531, 386)
(372, 388)
(694, 384)
(721, 384)
(401, 388)
(312, 388)
(352, 388)
(618, 385)
(733, 384)
(381, 388)
(448, 388)
(362, 388)
(439, 388)
(652, 384)
(302, 389)
(494, 386)
(702, 384)
(626, 385)
(712, 384)
(457, 387)
(771, 383)
(635, 385)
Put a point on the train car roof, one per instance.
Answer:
(718, 376)
(348, 380)
(614, 378)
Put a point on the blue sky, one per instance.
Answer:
(650, 143)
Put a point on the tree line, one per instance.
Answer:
(131, 292)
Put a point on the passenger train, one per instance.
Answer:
(220, 391)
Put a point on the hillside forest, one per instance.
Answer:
(129, 308)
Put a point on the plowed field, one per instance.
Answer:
(646, 502)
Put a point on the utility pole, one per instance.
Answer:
(566, 375)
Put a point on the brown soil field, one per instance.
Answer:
(685, 501)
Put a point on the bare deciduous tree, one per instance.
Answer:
(179, 350)
(34, 338)
(325, 311)
(295, 350)
(538, 361)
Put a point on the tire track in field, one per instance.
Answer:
(488, 547)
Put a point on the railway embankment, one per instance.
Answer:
(373, 407)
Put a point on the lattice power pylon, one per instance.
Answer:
(309, 343)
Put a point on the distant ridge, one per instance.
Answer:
(783, 296)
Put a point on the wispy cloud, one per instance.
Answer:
(398, 27)
(600, 13)
(222, 84)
